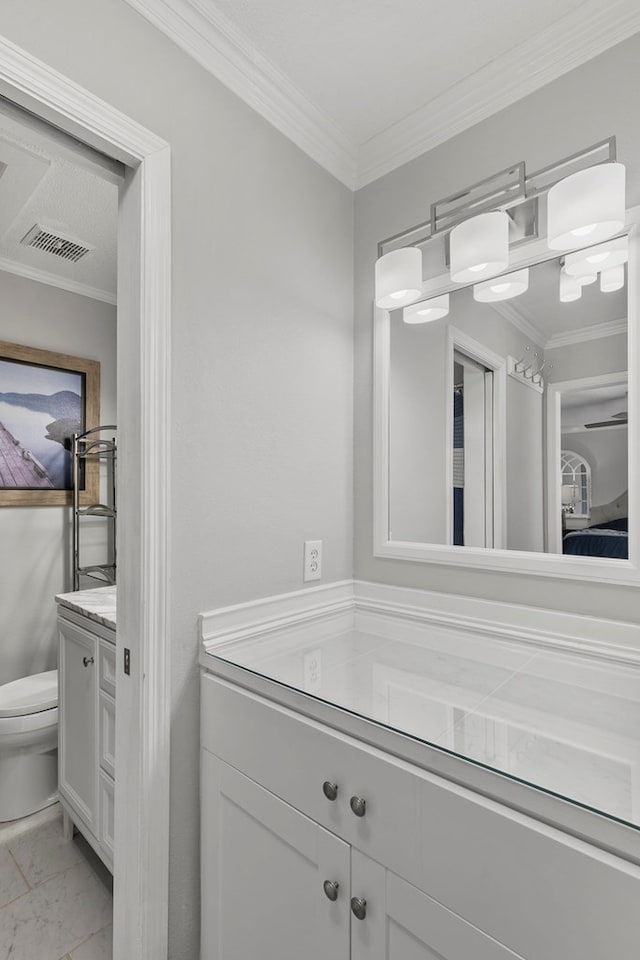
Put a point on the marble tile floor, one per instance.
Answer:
(55, 895)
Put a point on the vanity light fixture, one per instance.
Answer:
(398, 278)
(427, 310)
(480, 247)
(612, 279)
(502, 288)
(570, 288)
(586, 206)
(601, 257)
(584, 279)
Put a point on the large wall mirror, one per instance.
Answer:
(504, 427)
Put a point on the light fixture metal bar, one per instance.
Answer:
(512, 187)
(602, 152)
(499, 191)
(405, 238)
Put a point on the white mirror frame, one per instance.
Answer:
(516, 561)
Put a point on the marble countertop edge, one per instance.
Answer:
(98, 604)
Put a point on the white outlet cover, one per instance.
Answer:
(312, 560)
(313, 671)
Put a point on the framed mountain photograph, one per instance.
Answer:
(45, 398)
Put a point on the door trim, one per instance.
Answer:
(144, 317)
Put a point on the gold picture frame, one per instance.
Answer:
(36, 385)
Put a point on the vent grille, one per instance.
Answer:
(55, 243)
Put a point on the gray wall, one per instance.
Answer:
(606, 453)
(592, 358)
(581, 108)
(36, 540)
(262, 353)
(525, 468)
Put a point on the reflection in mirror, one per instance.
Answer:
(594, 469)
(507, 415)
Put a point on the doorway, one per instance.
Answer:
(473, 461)
(143, 328)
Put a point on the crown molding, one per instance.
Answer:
(210, 38)
(53, 280)
(595, 332)
(517, 319)
(563, 339)
(568, 43)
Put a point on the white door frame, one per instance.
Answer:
(459, 340)
(554, 447)
(144, 310)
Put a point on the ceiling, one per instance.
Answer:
(369, 63)
(364, 86)
(596, 404)
(361, 86)
(61, 187)
(550, 323)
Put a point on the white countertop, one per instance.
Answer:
(562, 722)
(98, 604)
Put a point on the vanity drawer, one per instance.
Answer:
(107, 668)
(107, 733)
(292, 757)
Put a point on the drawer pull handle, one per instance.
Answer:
(330, 790)
(87, 660)
(330, 888)
(359, 907)
(358, 805)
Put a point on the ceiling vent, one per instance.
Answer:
(66, 248)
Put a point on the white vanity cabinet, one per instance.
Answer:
(444, 871)
(276, 884)
(86, 747)
(264, 867)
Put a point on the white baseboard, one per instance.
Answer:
(266, 615)
(614, 640)
(366, 605)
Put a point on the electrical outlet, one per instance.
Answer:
(312, 560)
(312, 671)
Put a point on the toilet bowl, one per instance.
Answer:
(28, 745)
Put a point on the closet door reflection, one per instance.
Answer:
(473, 431)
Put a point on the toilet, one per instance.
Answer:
(28, 745)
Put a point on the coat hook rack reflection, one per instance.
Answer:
(528, 369)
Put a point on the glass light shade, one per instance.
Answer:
(398, 278)
(427, 310)
(502, 288)
(612, 278)
(587, 206)
(586, 278)
(570, 289)
(480, 247)
(601, 257)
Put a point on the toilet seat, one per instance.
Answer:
(28, 722)
(29, 695)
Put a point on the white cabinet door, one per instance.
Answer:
(107, 816)
(402, 923)
(77, 673)
(264, 866)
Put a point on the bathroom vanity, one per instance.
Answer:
(380, 782)
(87, 691)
